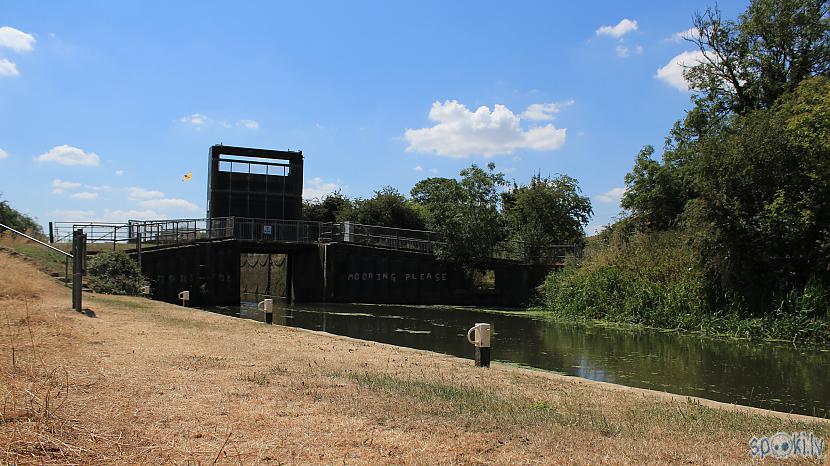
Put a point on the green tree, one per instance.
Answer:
(389, 208)
(332, 208)
(465, 212)
(115, 273)
(654, 195)
(17, 220)
(748, 64)
(546, 212)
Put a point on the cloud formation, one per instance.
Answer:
(8, 68)
(317, 188)
(620, 29)
(68, 155)
(691, 33)
(197, 120)
(168, 203)
(16, 40)
(544, 112)
(248, 124)
(611, 196)
(136, 193)
(3, 154)
(84, 196)
(672, 72)
(459, 132)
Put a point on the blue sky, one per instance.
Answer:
(105, 105)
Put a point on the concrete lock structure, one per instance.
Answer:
(255, 205)
(482, 334)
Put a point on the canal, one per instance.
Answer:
(763, 375)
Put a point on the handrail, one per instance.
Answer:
(37, 241)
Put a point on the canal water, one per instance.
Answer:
(763, 375)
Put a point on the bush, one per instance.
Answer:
(651, 279)
(115, 273)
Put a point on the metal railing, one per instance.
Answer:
(554, 254)
(182, 231)
(66, 255)
(382, 237)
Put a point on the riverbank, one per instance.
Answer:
(151, 382)
(657, 281)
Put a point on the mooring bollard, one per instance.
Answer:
(267, 306)
(185, 297)
(483, 332)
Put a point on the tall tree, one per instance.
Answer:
(388, 208)
(465, 212)
(548, 211)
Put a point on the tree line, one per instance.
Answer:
(741, 190)
(473, 214)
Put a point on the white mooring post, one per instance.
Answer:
(483, 334)
(267, 306)
(185, 297)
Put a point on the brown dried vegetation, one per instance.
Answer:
(148, 382)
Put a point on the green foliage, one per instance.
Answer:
(548, 211)
(746, 175)
(389, 208)
(334, 207)
(752, 62)
(464, 213)
(652, 279)
(655, 279)
(653, 194)
(115, 273)
(17, 220)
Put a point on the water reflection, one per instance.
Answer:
(747, 373)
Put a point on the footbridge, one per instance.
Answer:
(318, 261)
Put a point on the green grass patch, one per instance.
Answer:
(46, 259)
(493, 409)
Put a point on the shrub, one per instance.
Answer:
(115, 273)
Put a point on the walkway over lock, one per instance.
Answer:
(179, 232)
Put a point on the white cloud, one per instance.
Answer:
(16, 39)
(72, 215)
(672, 72)
(121, 216)
(8, 68)
(460, 132)
(58, 186)
(543, 112)
(249, 124)
(68, 155)
(138, 194)
(434, 171)
(316, 188)
(197, 120)
(418, 168)
(119, 172)
(3, 154)
(622, 28)
(169, 203)
(84, 196)
(691, 33)
(611, 196)
(624, 52)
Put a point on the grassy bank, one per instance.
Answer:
(149, 382)
(656, 280)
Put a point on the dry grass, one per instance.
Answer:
(147, 382)
(16, 282)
